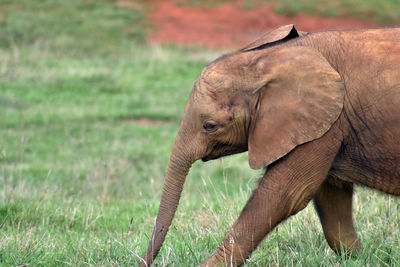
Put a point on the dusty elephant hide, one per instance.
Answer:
(321, 110)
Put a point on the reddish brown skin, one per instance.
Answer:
(321, 110)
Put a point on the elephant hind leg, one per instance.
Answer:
(333, 203)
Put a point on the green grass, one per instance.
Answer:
(72, 27)
(81, 174)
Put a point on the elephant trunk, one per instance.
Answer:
(178, 168)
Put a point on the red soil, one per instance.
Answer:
(229, 25)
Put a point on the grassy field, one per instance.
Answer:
(89, 111)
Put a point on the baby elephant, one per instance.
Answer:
(321, 110)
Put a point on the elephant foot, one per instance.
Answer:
(349, 245)
(211, 262)
(220, 259)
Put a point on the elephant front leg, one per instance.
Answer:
(333, 203)
(256, 220)
(285, 189)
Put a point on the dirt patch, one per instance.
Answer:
(230, 25)
(128, 4)
(144, 121)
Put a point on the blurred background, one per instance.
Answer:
(91, 96)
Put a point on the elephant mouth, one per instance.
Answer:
(205, 159)
(222, 151)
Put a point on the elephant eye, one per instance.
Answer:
(209, 126)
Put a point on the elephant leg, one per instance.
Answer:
(333, 203)
(285, 189)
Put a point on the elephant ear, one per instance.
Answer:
(270, 38)
(298, 101)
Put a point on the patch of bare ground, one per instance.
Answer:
(143, 121)
(229, 24)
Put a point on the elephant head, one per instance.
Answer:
(267, 98)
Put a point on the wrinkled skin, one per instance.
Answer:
(321, 110)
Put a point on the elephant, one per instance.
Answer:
(319, 111)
